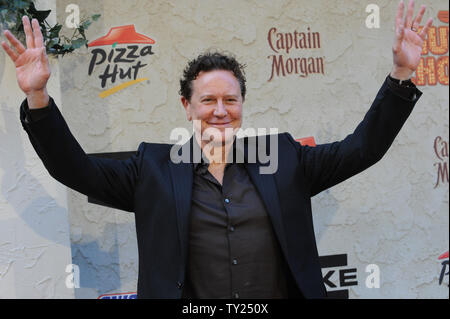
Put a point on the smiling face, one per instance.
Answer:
(215, 105)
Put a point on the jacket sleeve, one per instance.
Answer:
(108, 180)
(329, 164)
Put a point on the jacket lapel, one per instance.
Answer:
(265, 185)
(182, 180)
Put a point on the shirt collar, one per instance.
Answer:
(203, 165)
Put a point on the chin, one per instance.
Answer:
(220, 135)
(219, 140)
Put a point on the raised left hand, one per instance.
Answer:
(408, 41)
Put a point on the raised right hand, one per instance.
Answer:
(32, 67)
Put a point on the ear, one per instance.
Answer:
(187, 107)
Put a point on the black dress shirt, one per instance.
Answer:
(233, 250)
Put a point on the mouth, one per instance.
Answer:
(220, 124)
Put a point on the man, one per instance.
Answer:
(217, 228)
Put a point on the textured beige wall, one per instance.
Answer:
(391, 215)
(34, 221)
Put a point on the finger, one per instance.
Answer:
(419, 16)
(28, 33)
(15, 43)
(13, 55)
(399, 18)
(409, 14)
(38, 38)
(44, 60)
(423, 33)
(399, 39)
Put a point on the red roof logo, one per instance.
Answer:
(443, 256)
(121, 35)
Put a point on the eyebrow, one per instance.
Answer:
(226, 95)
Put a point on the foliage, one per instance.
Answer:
(12, 11)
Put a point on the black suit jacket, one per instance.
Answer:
(159, 191)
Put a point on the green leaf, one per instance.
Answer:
(57, 47)
(78, 43)
(12, 11)
(20, 4)
(42, 15)
(52, 42)
(39, 15)
(81, 30)
(54, 32)
(70, 49)
(86, 24)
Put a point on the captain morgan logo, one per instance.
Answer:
(119, 56)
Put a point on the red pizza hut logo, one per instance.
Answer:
(120, 58)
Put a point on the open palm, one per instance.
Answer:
(409, 39)
(32, 67)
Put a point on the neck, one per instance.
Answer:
(216, 153)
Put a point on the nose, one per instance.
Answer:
(220, 110)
